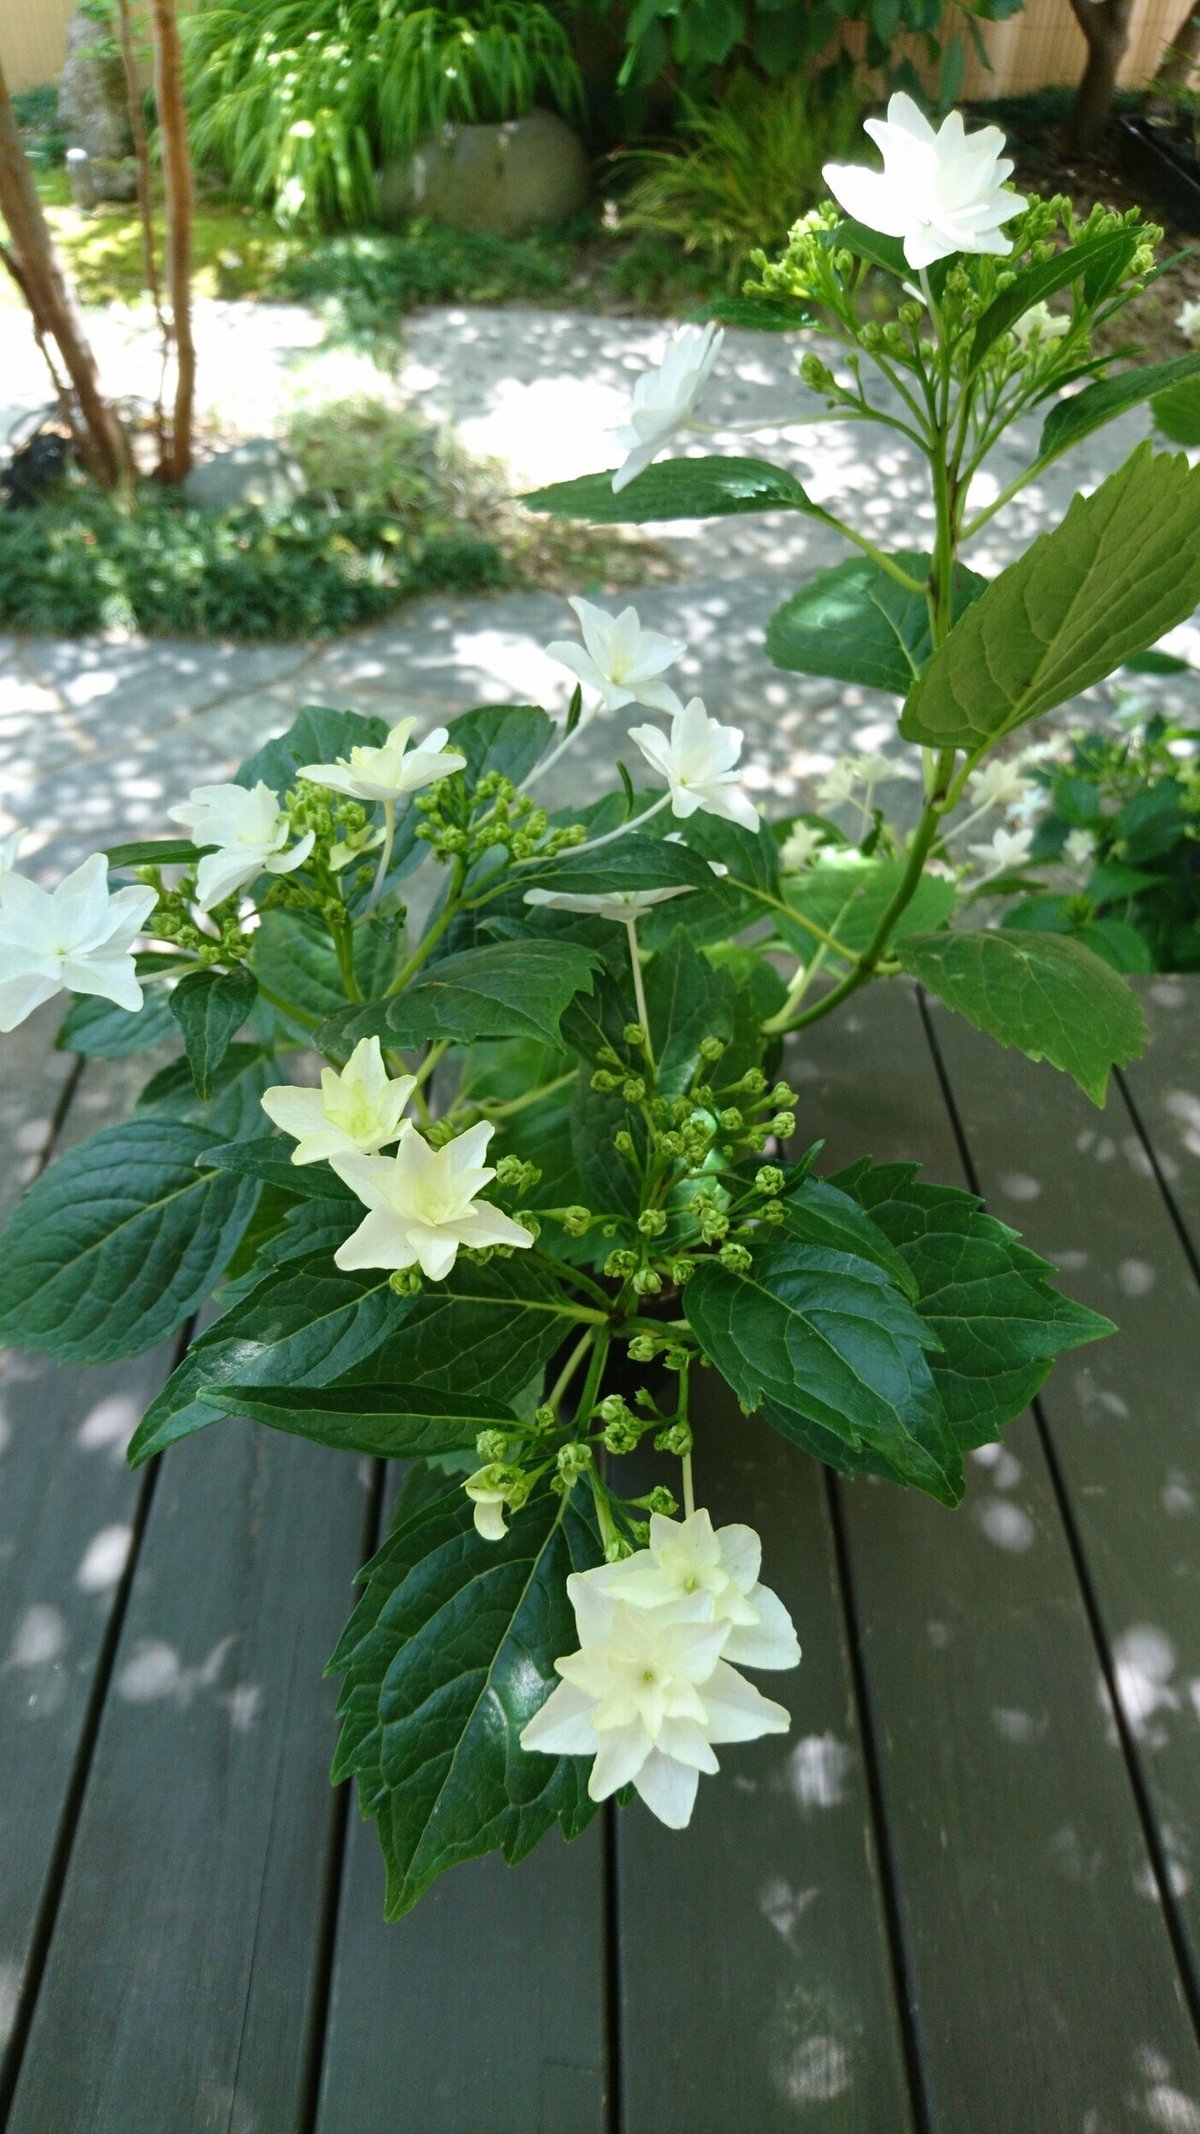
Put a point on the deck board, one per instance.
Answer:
(755, 1969)
(513, 1959)
(68, 1510)
(1163, 1091)
(1121, 1417)
(1041, 1974)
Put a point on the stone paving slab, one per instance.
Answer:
(99, 736)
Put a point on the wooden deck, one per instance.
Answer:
(963, 1897)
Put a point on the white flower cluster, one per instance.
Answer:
(423, 1202)
(940, 192)
(654, 1684)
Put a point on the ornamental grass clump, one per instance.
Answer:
(499, 1189)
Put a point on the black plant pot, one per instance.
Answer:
(1165, 163)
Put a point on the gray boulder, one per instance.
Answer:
(258, 473)
(93, 111)
(527, 174)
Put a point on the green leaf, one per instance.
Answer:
(210, 1008)
(101, 1031)
(637, 861)
(505, 738)
(156, 852)
(979, 1289)
(1176, 413)
(1043, 993)
(825, 1337)
(761, 314)
(1096, 259)
(872, 245)
(856, 624)
(816, 1213)
(1070, 420)
(118, 1242)
(677, 489)
(1154, 662)
(510, 989)
(305, 1324)
(234, 1106)
(850, 901)
(269, 1157)
(446, 1658)
(317, 734)
(1121, 570)
(386, 1422)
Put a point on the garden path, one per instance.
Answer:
(98, 736)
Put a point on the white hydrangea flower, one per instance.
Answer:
(619, 904)
(714, 1574)
(663, 399)
(356, 1112)
(999, 784)
(1079, 847)
(1188, 322)
(391, 770)
(490, 1494)
(248, 828)
(1005, 850)
(75, 938)
(940, 192)
(1040, 325)
(798, 847)
(423, 1204)
(647, 1695)
(699, 759)
(620, 659)
(843, 781)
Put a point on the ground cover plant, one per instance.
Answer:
(485, 1137)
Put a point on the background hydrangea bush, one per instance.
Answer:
(484, 1139)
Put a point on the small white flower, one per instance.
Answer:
(1188, 323)
(940, 192)
(1005, 850)
(1080, 847)
(620, 904)
(998, 784)
(356, 1112)
(422, 1205)
(647, 1695)
(392, 770)
(76, 938)
(699, 759)
(1040, 325)
(715, 1576)
(663, 399)
(1027, 809)
(848, 774)
(249, 829)
(798, 847)
(490, 1494)
(620, 659)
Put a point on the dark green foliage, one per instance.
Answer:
(84, 562)
(467, 1628)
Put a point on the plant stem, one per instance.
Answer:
(434, 934)
(591, 1384)
(689, 1493)
(385, 857)
(635, 822)
(639, 993)
(569, 1369)
(570, 1274)
(344, 946)
(506, 1109)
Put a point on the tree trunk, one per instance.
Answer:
(1182, 55)
(1105, 25)
(31, 259)
(177, 186)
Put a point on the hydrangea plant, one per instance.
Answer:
(484, 1140)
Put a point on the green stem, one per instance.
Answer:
(574, 1275)
(505, 1110)
(385, 857)
(591, 1384)
(879, 556)
(344, 946)
(639, 991)
(433, 936)
(764, 896)
(569, 1369)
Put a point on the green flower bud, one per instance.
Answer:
(784, 1124)
(769, 1179)
(491, 1445)
(643, 1348)
(616, 1550)
(623, 1143)
(622, 1435)
(633, 1089)
(647, 1282)
(711, 1048)
(619, 1264)
(634, 1034)
(406, 1281)
(781, 1094)
(575, 1220)
(753, 1082)
(652, 1222)
(573, 1459)
(544, 1417)
(603, 1081)
(676, 1438)
(660, 1500)
(774, 1212)
(736, 1258)
(731, 1119)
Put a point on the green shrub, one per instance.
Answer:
(84, 562)
(298, 101)
(749, 164)
(368, 280)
